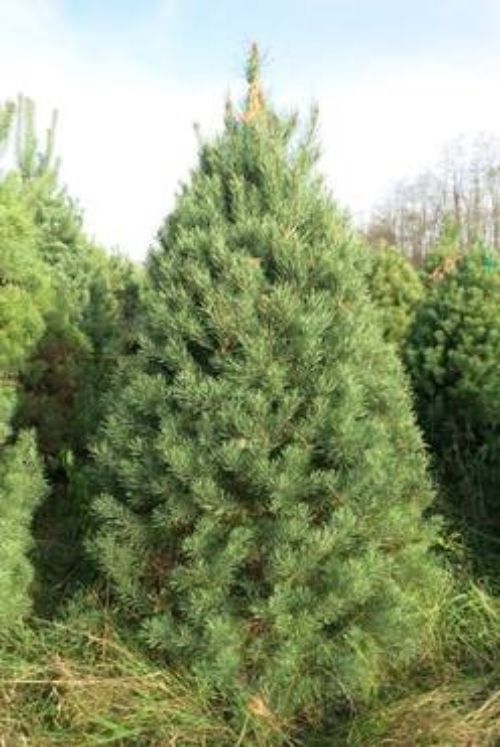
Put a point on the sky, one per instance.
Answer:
(394, 81)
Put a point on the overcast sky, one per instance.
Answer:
(394, 80)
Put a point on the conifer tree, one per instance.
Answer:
(263, 480)
(396, 288)
(452, 354)
(22, 488)
(69, 347)
(24, 298)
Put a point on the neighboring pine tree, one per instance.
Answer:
(22, 488)
(24, 286)
(85, 331)
(443, 257)
(396, 288)
(263, 478)
(453, 356)
(24, 298)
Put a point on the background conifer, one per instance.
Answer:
(24, 298)
(452, 354)
(396, 288)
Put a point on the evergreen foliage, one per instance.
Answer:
(396, 288)
(24, 287)
(66, 313)
(443, 257)
(263, 478)
(453, 353)
(24, 296)
(259, 484)
(21, 489)
(65, 396)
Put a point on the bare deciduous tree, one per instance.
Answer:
(463, 189)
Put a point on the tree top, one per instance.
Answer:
(254, 103)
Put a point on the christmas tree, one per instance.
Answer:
(263, 478)
(66, 315)
(24, 298)
(396, 288)
(452, 354)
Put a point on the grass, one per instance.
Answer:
(453, 698)
(464, 712)
(79, 682)
(61, 686)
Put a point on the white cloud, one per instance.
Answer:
(126, 138)
(380, 130)
(126, 134)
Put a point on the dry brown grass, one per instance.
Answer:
(463, 714)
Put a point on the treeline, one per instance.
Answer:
(221, 521)
(461, 191)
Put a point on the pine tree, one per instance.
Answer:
(24, 286)
(24, 298)
(22, 488)
(452, 354)
(68, 347)
(396, 288)
(263, 478)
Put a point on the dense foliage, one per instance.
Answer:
(264, 480)
(24, 295)
(396, 288)
(453, 353)
(67, 309)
